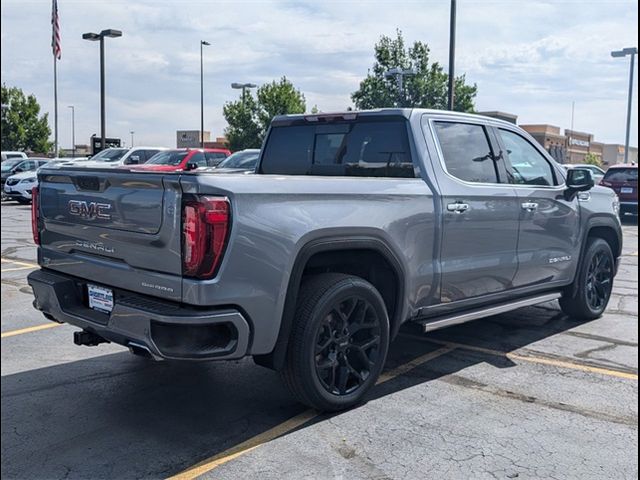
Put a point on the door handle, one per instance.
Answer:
(530, 206)
(458, 207)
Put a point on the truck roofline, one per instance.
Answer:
(391, 112)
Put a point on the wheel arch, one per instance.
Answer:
(323, 255)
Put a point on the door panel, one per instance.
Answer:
(480, 215)
(549, 224)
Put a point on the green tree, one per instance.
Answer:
(593, 159)
(243, 130)
(426, 89)
(23, 128)
(249, 117)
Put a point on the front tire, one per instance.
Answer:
(339, 341)
(589, 296)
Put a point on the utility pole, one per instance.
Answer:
(73, 130)
(202, 43)
(452, 54)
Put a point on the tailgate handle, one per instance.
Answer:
(88, 183)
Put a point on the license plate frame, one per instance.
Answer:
(100, 298)
(626, 190)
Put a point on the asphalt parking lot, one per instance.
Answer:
(530, 394)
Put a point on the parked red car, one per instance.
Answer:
(182, 158)
(623, 179)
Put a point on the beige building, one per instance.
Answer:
(191, 138)
(613, 154)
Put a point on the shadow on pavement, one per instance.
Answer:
(119, 416)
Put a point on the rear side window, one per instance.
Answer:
(363, 148)
(467, 152)
(528, 164)
(622, 175)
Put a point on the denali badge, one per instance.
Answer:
(90, 210)
(97, 246)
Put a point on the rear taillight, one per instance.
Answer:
(205, 225)
(35, 207)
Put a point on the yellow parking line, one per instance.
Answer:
(634, 254)
(254, 442)
(24, 264)
(531, 358)
(13, 333)
(16, 269)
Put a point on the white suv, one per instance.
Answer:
(117, 157)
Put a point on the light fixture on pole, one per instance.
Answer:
(94, 37)
(244, 87)
(399, 74)
(73, 130)
(202, 43)
(632, 51)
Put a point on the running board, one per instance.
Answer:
(457, 318)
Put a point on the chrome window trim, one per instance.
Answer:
(432, 119)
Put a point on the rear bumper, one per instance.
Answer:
(168, 330)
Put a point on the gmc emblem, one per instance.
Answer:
(90, 210)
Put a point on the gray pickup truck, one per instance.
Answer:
(353, 224)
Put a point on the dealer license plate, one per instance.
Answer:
(100, 298)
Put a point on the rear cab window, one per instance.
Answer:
(366, 147)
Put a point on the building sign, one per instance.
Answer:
(579, 143)
(97, 141)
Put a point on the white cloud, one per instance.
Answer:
(529, 58)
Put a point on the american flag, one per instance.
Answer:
(55, 31)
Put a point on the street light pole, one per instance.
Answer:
(111, 33)
(132, 132)
(202, 43)
(452, 54)
(632, 51)
(244, 87)
(399, 74)
(73, 130)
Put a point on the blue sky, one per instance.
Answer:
(531, 58)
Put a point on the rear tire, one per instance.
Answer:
(339, 341)
(589, 295)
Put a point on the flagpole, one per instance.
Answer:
(55, 105)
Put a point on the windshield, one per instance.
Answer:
(109, 155)
(622, 175)
(240, 160)
(170, 157)
(7, 165)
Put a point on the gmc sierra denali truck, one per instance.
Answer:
(354, 224)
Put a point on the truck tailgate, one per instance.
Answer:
(113, 227)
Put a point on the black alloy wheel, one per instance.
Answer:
(338, 342)
(347, 345)
(599, 280)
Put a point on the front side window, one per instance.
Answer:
(528, 164)
(198, 159)
(365, 148)
(467, 152)
(168, 157)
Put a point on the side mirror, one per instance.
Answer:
(134, 160)
(578, 180)
(191, 166)
(18, 170)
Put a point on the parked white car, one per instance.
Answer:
(8, 155)
(117, 157)
(18, 187)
